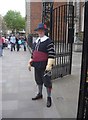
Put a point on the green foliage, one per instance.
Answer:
(14, 21)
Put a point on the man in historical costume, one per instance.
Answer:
(42, 59)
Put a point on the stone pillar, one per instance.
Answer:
(28, 11)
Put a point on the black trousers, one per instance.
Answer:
(18, 47)
(12, 46)
(41, 79)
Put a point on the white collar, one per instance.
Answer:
(42, 39)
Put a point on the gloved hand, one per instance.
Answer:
(50, 64)
(29, 64)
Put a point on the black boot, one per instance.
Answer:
(39, 96)
(49, 102)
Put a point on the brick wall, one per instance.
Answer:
(56, 4)
(35, 15)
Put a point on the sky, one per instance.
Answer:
(16, 5)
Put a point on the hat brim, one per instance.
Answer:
(40, 29)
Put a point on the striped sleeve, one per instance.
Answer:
(50, 50)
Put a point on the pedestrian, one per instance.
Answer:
(24, 42)
(1, 45)
(17, 43)
(42, 59)
(13, 42)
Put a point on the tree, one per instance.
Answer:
(3, 27)
(14, 21)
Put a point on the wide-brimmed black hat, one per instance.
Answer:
(41, 26)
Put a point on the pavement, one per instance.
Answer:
(17, 87)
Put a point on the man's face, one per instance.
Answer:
(41, 32)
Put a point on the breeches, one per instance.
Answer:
(40, 79)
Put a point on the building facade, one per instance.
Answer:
(34, 15)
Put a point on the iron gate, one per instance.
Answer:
(47, 15)
(63, 36)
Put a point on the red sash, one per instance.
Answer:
(39, 56)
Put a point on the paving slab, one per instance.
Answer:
(18, 87)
